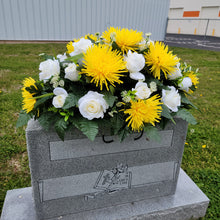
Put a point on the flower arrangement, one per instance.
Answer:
(118, 79)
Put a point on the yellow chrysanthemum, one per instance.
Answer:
(143, 111)
(70, 47)
(103, 65)
(193, 77)
(29, 82)
(126, 39)
(28, 99)
(160, 59)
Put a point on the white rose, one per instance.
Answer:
(142, 90)
(185, 84)
(81, 46)
(171, 98)
(137, 76)
(92, 105)
(62, 57)
(48, 68)
(59, 99)
(71, 73)
(134, 62)
(176, 74)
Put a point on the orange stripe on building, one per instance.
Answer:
(191, 13)
(219, 14)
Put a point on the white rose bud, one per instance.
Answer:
(142, 90)
(62, 57)
(71, 73)
(171, 98)
(92, 105)
(81, 46)
(60, 97)
(134, 62)
(176, 74)
(48, 68)
(185, 84)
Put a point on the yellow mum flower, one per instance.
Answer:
(28, 99)
(103, 65)
(193, 77)
(143, 111)
(70, 47)
(29, 82)
(126, 39)
(159, 59)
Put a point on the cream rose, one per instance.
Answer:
(171, 98)
(142, 90)
(62, 57)
(71, 73)
(81, 46)
(185, 84)
(176, 74)
(49, 68)
(92, 105)
(135, 62)
(60, 97)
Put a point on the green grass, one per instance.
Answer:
(17, 61)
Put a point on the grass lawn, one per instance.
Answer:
(201, 155)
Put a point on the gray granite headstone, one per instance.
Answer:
(188, 202)
(78, 175)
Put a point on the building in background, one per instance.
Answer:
(64, 20)
(200, 17)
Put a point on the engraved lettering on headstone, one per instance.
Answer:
(111, 181)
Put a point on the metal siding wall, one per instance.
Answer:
(68, 19)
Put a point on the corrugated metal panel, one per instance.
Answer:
(68, 19)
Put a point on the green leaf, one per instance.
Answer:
(152, 133)
(186, 115)
(89, 128)
(46, 120)
(60, 127)
(70, 101)
(117, 123)
(42, 100)
(185, 100)
(23, 119)
(123, 133)
(110, 99)
(166, 113)
(75, 58)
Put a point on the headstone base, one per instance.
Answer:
(188, 202)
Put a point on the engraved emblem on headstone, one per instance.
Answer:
(111, 181)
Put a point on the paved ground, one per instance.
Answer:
(193, 41)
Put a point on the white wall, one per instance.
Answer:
(68, 19)
(208, 9)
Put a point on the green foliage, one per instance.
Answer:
(110, 99)
(186, 115)
(70, 101)
(152, 133)
(166, 113)
(23, 119)
(88, 127)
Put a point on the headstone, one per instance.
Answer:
(78, 175)
(188, 202)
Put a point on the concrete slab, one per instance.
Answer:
(188, 202)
